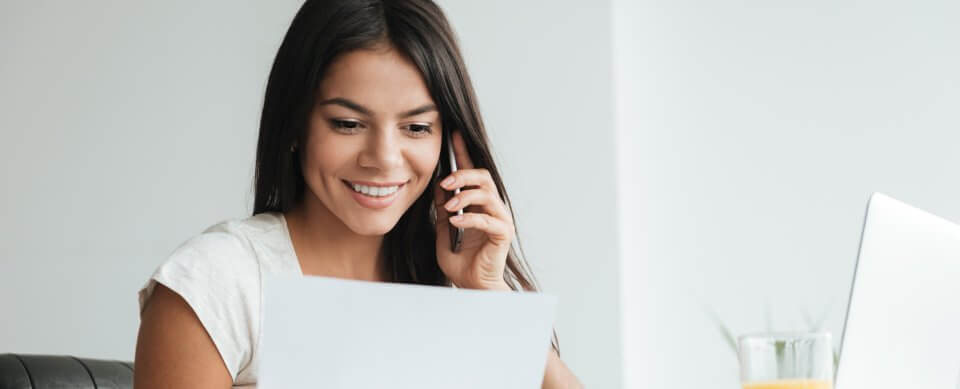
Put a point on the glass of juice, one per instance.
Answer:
(786, 361)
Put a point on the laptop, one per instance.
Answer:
(903, 321)
(332, 333)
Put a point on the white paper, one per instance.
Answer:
(332, 333)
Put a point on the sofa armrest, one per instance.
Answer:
(25, 371)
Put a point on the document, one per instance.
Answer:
(331, 333)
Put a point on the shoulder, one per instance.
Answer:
(224, 258)
(228, 248)
(218, 275)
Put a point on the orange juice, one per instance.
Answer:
(789, 384)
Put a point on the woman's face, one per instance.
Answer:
(373, 140)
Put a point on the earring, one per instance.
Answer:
(293, 147)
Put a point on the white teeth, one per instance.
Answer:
(375, 191)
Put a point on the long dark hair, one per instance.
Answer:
(320, 32)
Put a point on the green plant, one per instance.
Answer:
(812, 326)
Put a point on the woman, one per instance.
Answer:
(359, 102)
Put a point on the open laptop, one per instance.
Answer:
(903, 320)
(334, 334)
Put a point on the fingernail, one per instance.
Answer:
(456, 219)
(452, 203)
(447, 182)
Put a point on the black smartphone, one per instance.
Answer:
(456, 233)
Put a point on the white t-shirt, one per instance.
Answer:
(219, 273)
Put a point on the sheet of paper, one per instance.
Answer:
(332, 333)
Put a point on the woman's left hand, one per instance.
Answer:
(487, 223)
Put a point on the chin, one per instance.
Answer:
(373, 226)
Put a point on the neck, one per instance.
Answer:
(327, 247)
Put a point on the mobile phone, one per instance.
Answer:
(456, 233)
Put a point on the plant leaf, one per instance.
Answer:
(768, 316)
(824, 315)
(808, 320)
(727, 335)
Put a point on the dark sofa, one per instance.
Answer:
(25, 371)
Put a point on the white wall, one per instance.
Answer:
(127, 127)
(756, 131)
(546, 93)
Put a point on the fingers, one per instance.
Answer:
(484, 199)
(496, 222)
(486, 196)
(497, 230)
(469, 177)
(466, 175)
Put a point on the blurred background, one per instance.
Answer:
(679, 168)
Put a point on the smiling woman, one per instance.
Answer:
(372, 143)
(361, 98)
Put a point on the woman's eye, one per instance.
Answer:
(344, 125)
(419, 129)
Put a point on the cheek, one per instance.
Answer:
(321, 147)
(424, 159)
(327, 155)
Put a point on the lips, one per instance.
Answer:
(374, 190)
(371, 202)
(377, 184)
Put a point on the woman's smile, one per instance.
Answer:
(374, 195)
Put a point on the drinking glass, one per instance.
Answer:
(786, 361)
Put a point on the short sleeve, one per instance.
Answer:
(218, 276)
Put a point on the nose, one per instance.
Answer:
(382, 150)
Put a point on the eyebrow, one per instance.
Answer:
(366, 111)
